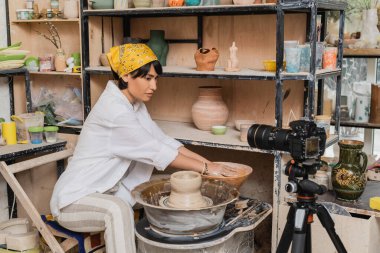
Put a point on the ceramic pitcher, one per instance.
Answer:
(349, 174)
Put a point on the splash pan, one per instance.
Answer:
(184, 221)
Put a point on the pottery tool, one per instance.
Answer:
(240, 216)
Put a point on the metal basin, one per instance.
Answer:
(184, 221)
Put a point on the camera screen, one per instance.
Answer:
(312, 147)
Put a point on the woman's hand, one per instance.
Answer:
(216, 169)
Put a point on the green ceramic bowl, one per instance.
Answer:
(218, 130)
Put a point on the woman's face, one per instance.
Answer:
(141, 88)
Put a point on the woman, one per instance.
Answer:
(117, 150)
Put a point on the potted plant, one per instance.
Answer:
(55, 39)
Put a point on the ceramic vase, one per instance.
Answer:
(349, 174)
(60, 60)
(70, 9)
(209, 109)
(186, 190)
(176, 3)
(159, 45)
(370, 32)
(120, 4)
(206, 59)
(142, 3)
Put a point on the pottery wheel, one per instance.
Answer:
(164, 202)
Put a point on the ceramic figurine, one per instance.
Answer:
(233, 62)
(206, 59)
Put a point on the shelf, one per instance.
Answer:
(219, 73)
(46, 20)
(55, 73)
(11, 152)
(361, 53)
(216, 10)
(361, 206)
(187, 133)
(358, 124)
(17, 71)
(66, 129)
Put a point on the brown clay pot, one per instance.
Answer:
(103, 60)
(209, 109)
(374, 116)
(206, 59)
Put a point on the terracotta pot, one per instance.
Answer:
(60, 60)
(349, 175)
(186, 190)
(206, 59)
(375, 104)
(103, 60)
(209, 109)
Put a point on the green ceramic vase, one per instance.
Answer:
(159, 45)
(348, 175)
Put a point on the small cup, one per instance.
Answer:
(305, 58)
(51, 134)
(291, 43)
(244, 132)
(218, 130)
(35, 134)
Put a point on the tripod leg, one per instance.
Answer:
(329, 224)
(287, 234)
(300, 229)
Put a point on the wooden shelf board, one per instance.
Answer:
(46, 20)
(219, 73)
(357, 124)
(361, 52)
(187, 133)
(54, 73)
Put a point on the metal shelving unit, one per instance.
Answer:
(186, 133)
(18, 72)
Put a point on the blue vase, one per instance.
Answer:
(159, 45)
(192, 2)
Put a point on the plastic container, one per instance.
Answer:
(26, 120)
(51, 134)
(36, 134)
(24, 14)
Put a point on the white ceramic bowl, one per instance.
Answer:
(240, 122)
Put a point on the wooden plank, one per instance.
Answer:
(28, 164)
(31, 210)
(365, 52)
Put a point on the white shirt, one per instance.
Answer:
(119, 145)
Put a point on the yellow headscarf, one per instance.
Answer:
(128, 57)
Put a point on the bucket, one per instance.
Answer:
(26, 120)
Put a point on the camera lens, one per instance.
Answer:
(268, 137)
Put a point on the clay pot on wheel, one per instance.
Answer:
(206, 59)
(186, 190)
(209, 109)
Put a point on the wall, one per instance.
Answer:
(4, 110)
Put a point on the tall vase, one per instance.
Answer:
(209, 109)
(159, 45)
(60, 60)
(348, 175)
(370, 32)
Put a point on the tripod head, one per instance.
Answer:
(303, 187)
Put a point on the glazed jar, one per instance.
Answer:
(349, 175)
(176, 3)
(60, 60)
(209, 109)
(159, 45)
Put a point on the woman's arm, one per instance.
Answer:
(189, 163)
(186, 152)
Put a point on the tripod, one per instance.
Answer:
(300, 216)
